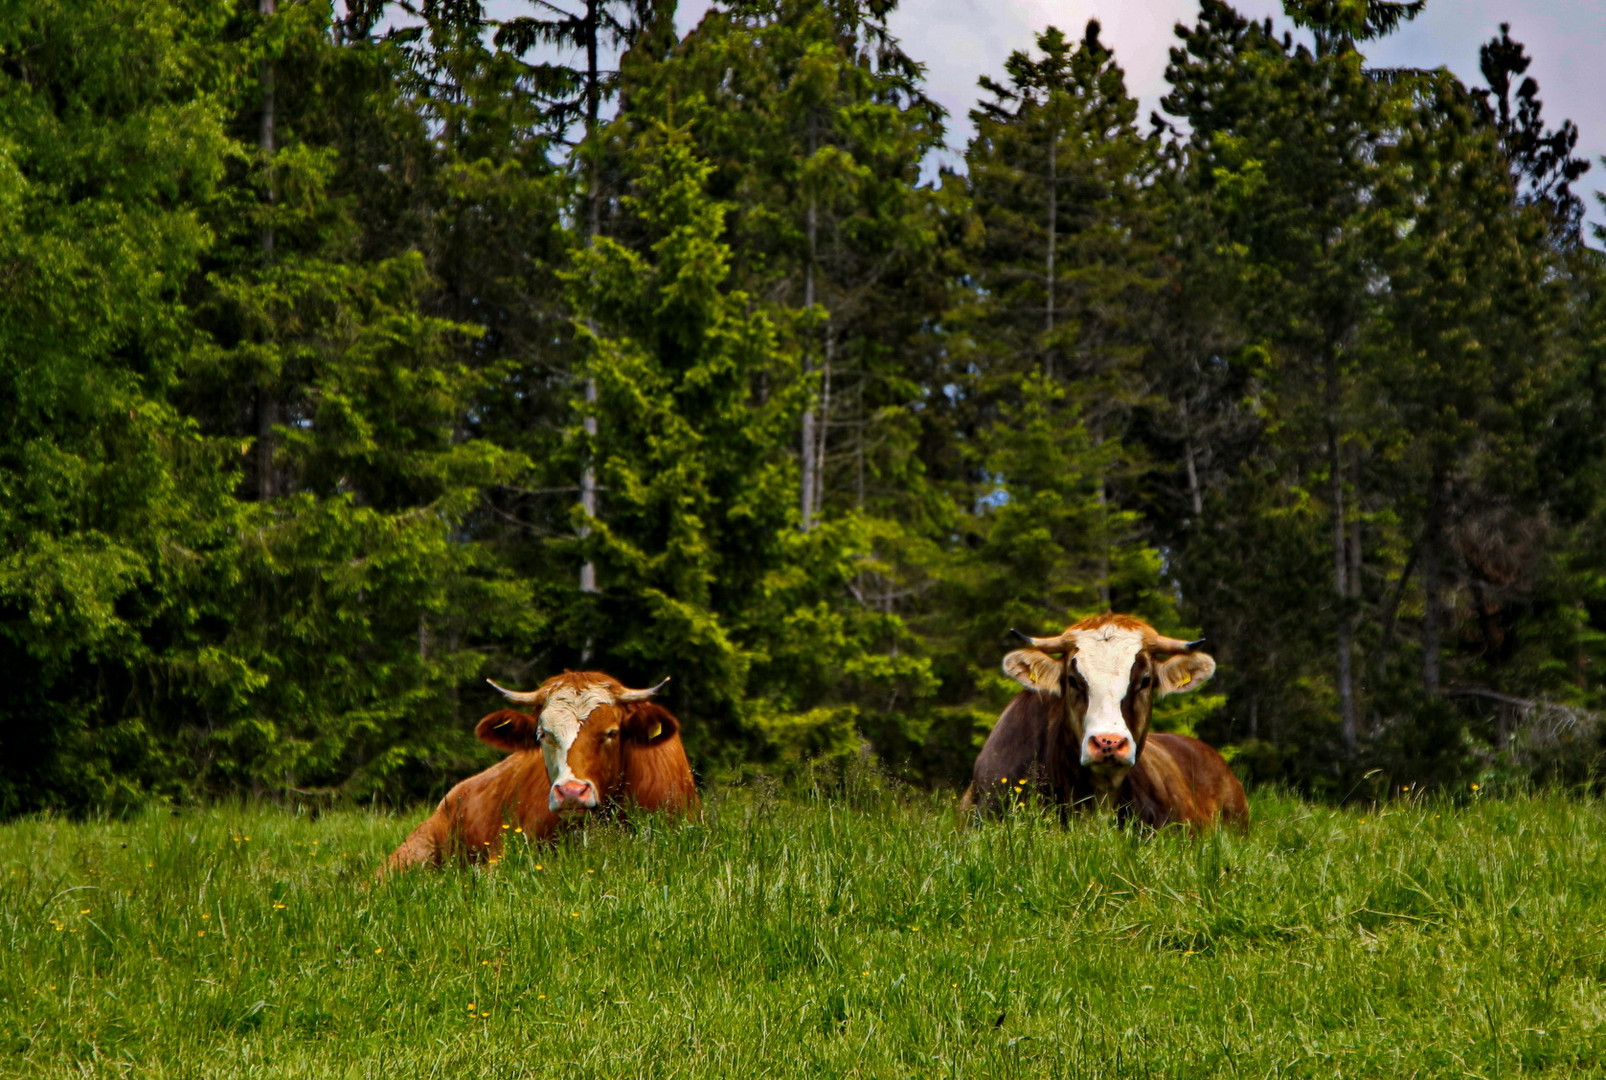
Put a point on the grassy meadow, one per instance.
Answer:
(862, 936)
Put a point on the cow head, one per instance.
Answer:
(584, 723)
(1110, 670)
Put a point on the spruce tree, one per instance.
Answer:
(119, 533)
(815, 127)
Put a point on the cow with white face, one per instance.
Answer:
(588, 744)
(1079, 733)
(581, 734)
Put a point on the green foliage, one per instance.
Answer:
(697, 390)
(1372, 417)
(689, 454)
(114, 510)
(814, 129)
(319, 333)
(1050, 338)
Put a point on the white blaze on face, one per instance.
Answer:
(565, 711)
(1104, 658)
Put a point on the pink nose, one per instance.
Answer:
(571, 793)
(1106, 747)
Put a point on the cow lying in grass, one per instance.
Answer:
(588, 744)
(1079, 733)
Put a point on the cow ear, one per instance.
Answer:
(1035, 670)
(509, 730)
(1185, 671)
(649, 723)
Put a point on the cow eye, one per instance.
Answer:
(1145, 682)
(611, 733)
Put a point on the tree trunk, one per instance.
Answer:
(1356, 551)
(1104, 543)
(588, 470)
(1341, 587)
(863, 428)
(807, 455)
(822, 428)
(266, 134)
(588, 487)
(266, 405)
(267, 418)
(1433, 585)
(593, 110)
(1195, 496)
(1053, 242)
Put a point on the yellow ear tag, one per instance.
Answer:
(657, 729)
(1187, 677)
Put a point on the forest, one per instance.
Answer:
(353, 354)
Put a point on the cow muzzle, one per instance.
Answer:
(572, 795)
(1110, 751)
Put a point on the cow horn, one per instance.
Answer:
(519, 697)
(1174, 645)
(628, 697)
(1047, 644)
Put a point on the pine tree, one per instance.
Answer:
(1051, 333)
(1066, 267)
(116, 522)
(576, 95)
(815, 127)
(357, 596)
(1281, 137)
(688, 453)
(1541, 161)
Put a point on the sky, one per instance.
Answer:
(961, 40)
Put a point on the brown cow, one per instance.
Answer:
(1079, 732)
(590, 745)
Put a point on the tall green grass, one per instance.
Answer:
(814, 937)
